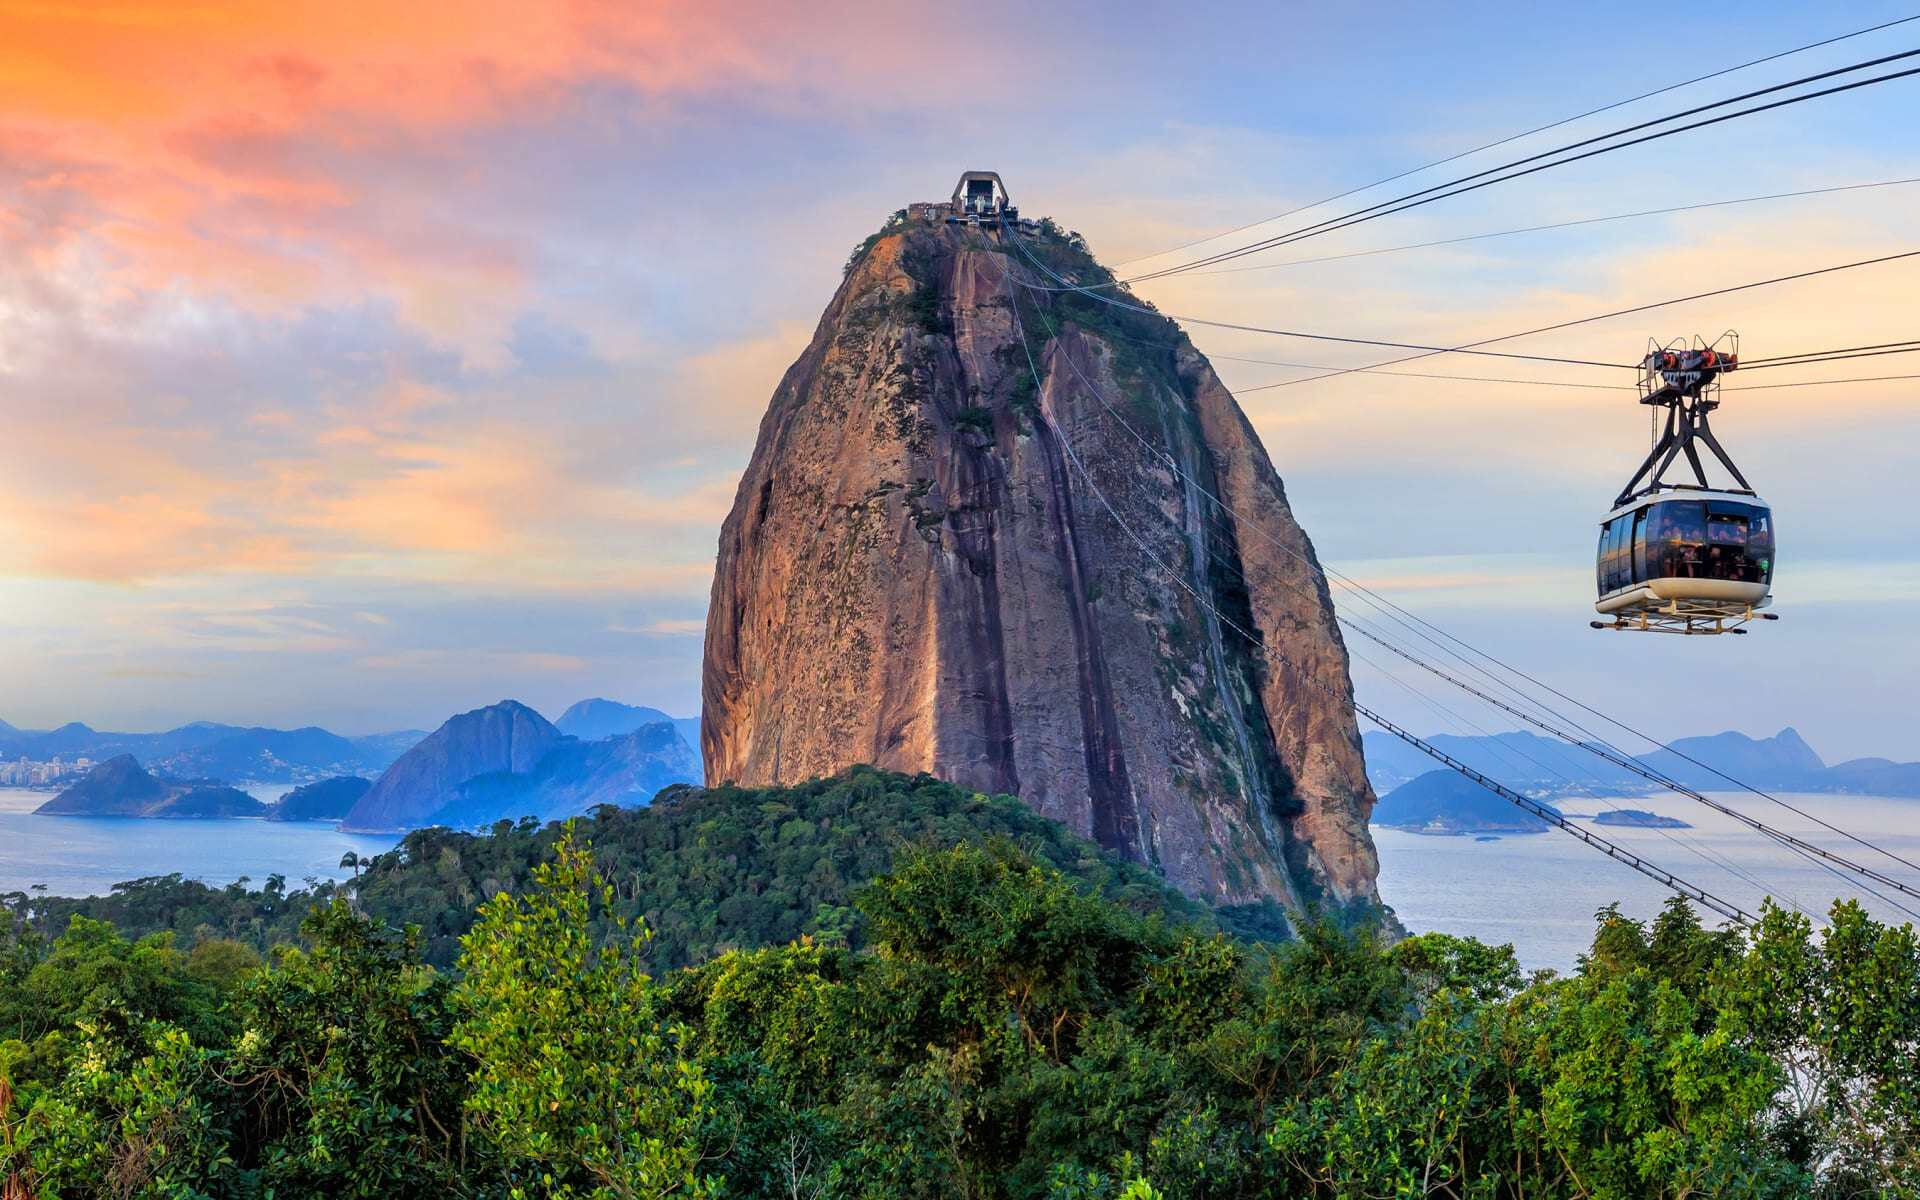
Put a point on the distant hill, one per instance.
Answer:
(575, 777)
(121, 787)
(1871, 777)
(591, 720)
(210, 749)
(271, 754)
(1447, 802)
(507, 761)
(507, 737)
(327, 800)
(1639, 818)
(1525, 761)
(1783, 762)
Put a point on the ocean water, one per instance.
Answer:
(1540, 891)
(1537, 891)
(84, 856)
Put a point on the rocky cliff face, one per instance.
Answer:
(915, 575)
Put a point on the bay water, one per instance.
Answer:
(1538, 892)
(86, 856)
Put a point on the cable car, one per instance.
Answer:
(1689, 558)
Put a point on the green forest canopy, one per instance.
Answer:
(992, 1015)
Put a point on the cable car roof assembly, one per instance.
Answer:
(1688, 558)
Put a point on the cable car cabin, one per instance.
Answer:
(1685, 557)
(1686, 561)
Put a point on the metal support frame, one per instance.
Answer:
(1695, 618)
(1688, 393)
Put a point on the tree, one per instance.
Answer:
(344, 1075)
(576, 1078)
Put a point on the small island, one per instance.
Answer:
(1639, 818)
(1447, 803)
(327, 800)
(121, 787)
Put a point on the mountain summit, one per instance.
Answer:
(916, 574)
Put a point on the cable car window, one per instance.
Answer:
(1640, 546)
(1680, 535)
(1619, 553)
(1608, 560)
(1726, 529)
(1616, 554)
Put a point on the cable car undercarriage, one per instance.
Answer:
(1688, 558)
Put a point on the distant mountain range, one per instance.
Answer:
(230, 752)
(503, 761)
(1543, 767)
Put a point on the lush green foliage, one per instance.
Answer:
(574, 1077)
(1002, 1028)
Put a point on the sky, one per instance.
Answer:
(364, 363)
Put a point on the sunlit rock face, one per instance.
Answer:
(915, 574)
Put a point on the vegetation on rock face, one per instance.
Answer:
(1008, 1031)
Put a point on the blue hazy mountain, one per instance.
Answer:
(121, 787)
(590, 720)
(508, 761)
(214, 750)
(1781, 761)
(1543, 766)
(1527, 762)
(1447, 802)
(1871, 777)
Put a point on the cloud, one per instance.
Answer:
(683, 627)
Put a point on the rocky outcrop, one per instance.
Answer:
(121, 787)
(916, 574)
(504, 737)
(507, 761)
(1448, 803)
(324, 800)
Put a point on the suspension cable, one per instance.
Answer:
(1544, 812)
(1610, 753)
(1439, 162)
(1464, 184)
(1479, 237)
